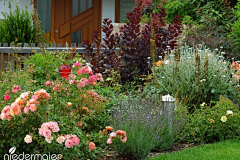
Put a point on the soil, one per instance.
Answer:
(176, 147)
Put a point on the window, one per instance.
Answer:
(79, 6)
(76, 37)
(126, 6)
(44, 11)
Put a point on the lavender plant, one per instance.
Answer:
(146, 124)
(200, 75)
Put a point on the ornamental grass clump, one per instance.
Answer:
(147, 126)
(199, 75)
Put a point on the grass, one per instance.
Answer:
(225, 150)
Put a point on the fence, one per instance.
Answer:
(17, 54)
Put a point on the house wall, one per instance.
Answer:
(22, 5)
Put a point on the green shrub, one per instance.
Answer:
(200, 75)
(17, 27)
(205, 124)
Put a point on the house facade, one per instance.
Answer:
(73, 21)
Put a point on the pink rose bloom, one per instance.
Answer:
(3, 116)
(47, 83)
(88, 69)
(14, 91)
(55, 129)
(71, 82)
(16, 86)
(77, 64)
(8, 113)
(15, 108)
(85, 80)
(92, 79)
(19, 89)
(92, 146)
(26, 110)
(47, 133)
(35, 97)
(81, 85)
(68, 143)
(67, 136)
(6, 97)
(113, 134)
(76, 140)
(109, 141)
(32, 101)
(33, 107)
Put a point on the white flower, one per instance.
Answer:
(60, 139)
(229, 112)
(28, 139)
(203, 104)
(223, 118)
(167, 62)
(49, 139)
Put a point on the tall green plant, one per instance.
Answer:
(235, 33)
(17, 27)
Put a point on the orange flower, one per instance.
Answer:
(87, 141)
(108, 128)
(158, 63)
(94, 84)
(84, 96)
(85, 108)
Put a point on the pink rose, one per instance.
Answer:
(26, 110)
(92, 146)
(6, 97)
(76, 140)
(77, 64)
(47, 83)
(47, 133)
(68, 143)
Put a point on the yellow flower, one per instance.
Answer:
(223, 118)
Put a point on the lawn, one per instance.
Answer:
(224, 150)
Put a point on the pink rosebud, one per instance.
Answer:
(92, 146)
(68, 143)
(68, 94)
(16, 86)
(7, 92)
(6, 97)
(80, 124)
(19, 89)
(77, 64)
(47, 83)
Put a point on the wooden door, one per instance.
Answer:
(73, 25)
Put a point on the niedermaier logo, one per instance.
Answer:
(23, 156)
